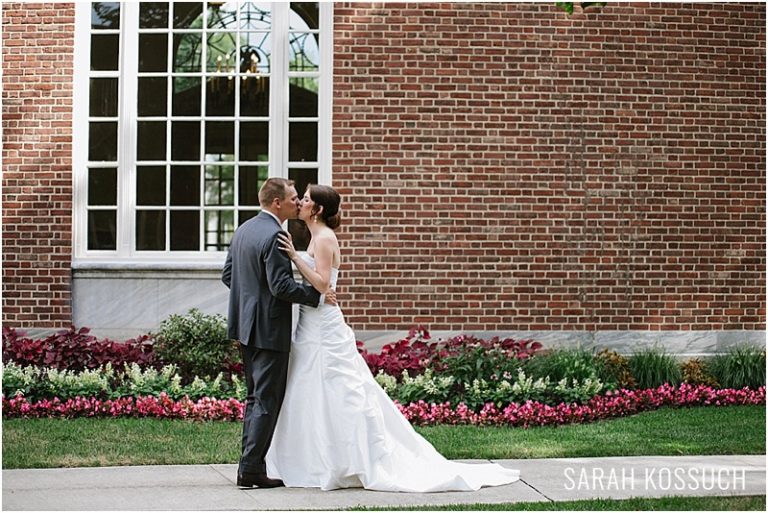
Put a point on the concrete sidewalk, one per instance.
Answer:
(212, 487)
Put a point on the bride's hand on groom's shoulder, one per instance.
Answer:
(286, 244)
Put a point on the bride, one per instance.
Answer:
(337, 427)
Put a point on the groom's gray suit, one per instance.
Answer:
(261, 291)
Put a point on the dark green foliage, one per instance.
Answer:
(653, 367)
(742, 366)
(570, 363)
(197, 343)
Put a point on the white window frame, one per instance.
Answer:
(126, 256)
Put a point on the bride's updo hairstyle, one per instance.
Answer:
(329, 199)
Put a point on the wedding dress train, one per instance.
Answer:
(339, 429)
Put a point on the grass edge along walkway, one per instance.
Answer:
(84, 442)
(738, 503)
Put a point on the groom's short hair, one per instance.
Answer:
(274, 188)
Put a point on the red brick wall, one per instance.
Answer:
(505, 166)
(38, 41)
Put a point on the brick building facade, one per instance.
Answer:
(504, 167)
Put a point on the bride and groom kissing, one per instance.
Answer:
(315, 416)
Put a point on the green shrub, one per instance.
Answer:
(37, 383)
(653, 367)
(87, 383)
(575, 391)
(526, 389)
(21, 380)
(200, 388)
(742, 366)
(136, 381)
(557, 364)
(426, 387)
(477, 362)
(614, 369)
(196, 343)
(474, 394)
(238, 390)
(696, 372)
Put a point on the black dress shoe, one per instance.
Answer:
(257, 480)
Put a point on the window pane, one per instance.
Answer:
(251, 180)
(219, 185)
(153, 52)
(220, 96)
(186, 96)
(185, 230)
(188, 52)
(305, 51)
(219, 227)
(303, 97)
(244, 215)
(254, 141)
(302, 142)
(102, 141)
(222, 52)
(104, 52)
(153, 96)
(150, 230)
(187, 15)
(102, 229)
(254, 96)
(102, 186)
(105, 15)
(254, 15)
(298, 229)
(305, 15)
(151, 140)
(303, 178)
(185, 140)
(255, 52)
(150, 185)
(103, 97)
(222, 15)
(185, 185)
(153, 15)
(219, 140)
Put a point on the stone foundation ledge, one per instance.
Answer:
(685, 344)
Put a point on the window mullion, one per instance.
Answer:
(325, 97)
(80, 127)
(278, 108)
(128, 130)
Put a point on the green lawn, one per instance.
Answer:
(747, 503)
(46, 443)
(667, 432)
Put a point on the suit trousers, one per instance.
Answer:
(266, 374)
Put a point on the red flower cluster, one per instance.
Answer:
(162, 407)
(619, 403)
(613, 404)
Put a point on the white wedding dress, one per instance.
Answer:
(339, 429)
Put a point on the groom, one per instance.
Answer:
(261, 290)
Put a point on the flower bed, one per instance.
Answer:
(620, 403)
(492, 381)
(613, 404)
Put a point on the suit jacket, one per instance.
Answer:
(261, 286)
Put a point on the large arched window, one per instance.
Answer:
(182, 110)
